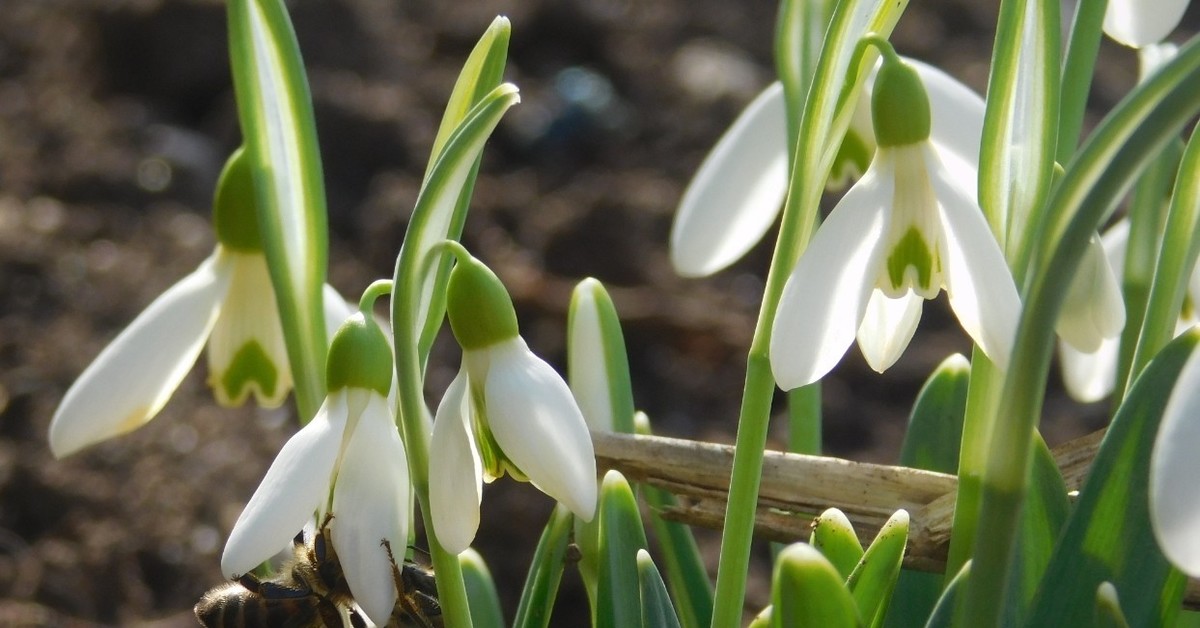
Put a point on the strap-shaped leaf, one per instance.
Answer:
(545, 571)
(481, 591)
(874, 578)
(833, 536)
(1108, 536)
(657, 611)
(808, 592)
(621, 537)
(276, 115)
(1020, 128)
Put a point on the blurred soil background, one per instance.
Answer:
(116, 116)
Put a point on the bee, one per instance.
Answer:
(310, 591)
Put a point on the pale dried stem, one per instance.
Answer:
(795, 488)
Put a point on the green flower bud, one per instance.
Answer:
(359, 357)
(899, 105)
(234, 216)
(480, 310)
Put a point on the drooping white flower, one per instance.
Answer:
(348, 462)
(1090, 370)
(507, 411)
(1137, 23)
(739, 189)
(228, 303)
(908, 229)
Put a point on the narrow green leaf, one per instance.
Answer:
(545, 572)
(936, 422)
(931, 443)
(1077, 72)
(875, 576)
(807, 591)
(621, 536)
(1108, 608)
(1108, 536)
(687, 577)
(947, 605)
(833, 535)
(276, 116)
(597, 364)
(1020, 126)
(481, 591)
(1042, 518)
(481, 74)
(799, 33)
(656, 604)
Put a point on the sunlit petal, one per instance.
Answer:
(1094, 308)
(1089, 377)
(1139, 22)
(291, 491)
(1174, 467)
(978, 282)
(370, 499)
(455, 471)
(887, 327)
(132, 378)
(537, 424)
(247, 353)
(337, 310)
(956, 115)
(825, 296)
(737, 192)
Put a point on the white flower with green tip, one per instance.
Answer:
(908, 229)
(507, 411)
(227, 303)
(738, 191)
(348, 461)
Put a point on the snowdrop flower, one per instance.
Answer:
(506, 411)
(351, 446)
(739, 190)
(227, 303)
(909, 228)
(1138, 23)
(1089, 362)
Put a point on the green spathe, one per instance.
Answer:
(234, 216)
(359, 357)
(480, 310)
(899, 105)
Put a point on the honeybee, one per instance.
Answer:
(310, 591)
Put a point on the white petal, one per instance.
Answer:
(370, 506)
(1154, 56)
(291, 491)
(587, 359)
(737, 192)
(887, 327)
(1094, 308)
(1136, 23)
(135, 375)
(825, 296)
(455, 471)
(956, 113)
(535, 421)
(978, 282)
(1174, 467)
(247, 353)
(1089, 377)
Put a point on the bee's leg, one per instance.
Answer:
(273, 590)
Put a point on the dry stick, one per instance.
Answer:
(796, 488)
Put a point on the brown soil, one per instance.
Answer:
(115, 117)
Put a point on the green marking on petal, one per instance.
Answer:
(852, 159)
(912, 251)
(250, 368)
